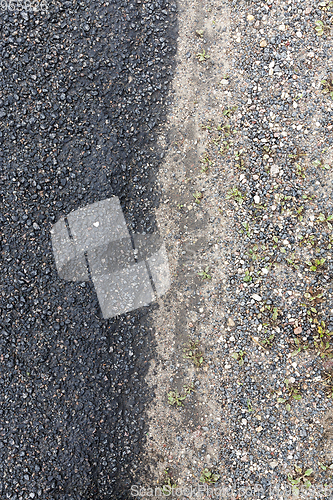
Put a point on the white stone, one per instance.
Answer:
(299, 34)
(256, 199)
(224, 81)
(256, 297)
(275, 170)
(231, 322)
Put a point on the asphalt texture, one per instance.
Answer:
(83, 89)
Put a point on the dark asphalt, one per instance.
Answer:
(83, 89)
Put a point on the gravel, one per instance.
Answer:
(261, 407)
(281, 112)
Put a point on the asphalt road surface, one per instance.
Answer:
(82, 89)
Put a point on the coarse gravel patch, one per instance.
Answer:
(247, 218)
